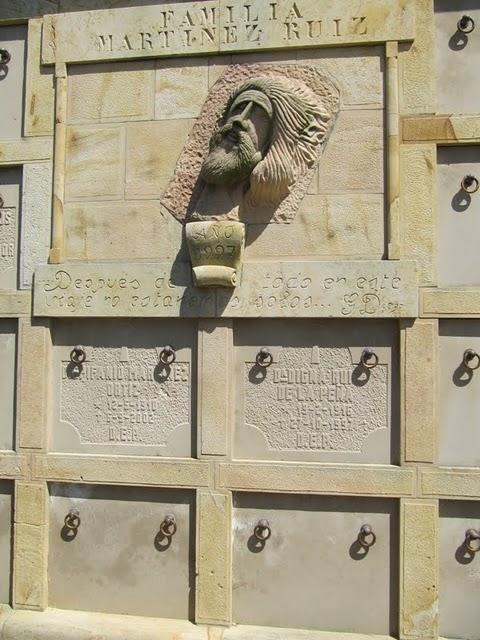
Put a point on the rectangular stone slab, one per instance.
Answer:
(312, 573)
(122, 399)
(116, 559)
(220, 26)
(315, 402)
(353, 289)
(459, 571)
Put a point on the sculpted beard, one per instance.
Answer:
(232, 156)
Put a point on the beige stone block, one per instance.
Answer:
(34, 346)
(420, 388)
(14, 304)
(417, 64)
(26, 150)
(418, 228)
(31, 503)
(454, 302)
(341, 226)
(39, 91)
(354, 156)
(94, 166)
(152, 152)
(144, 471)
(419, 572)
(181, 88)
(83, 625)
(449, 482)
(30, 566)
(13, 465)
(316, 478)
(358, 72)
(126, 230)
(213, 598)
(215, 345)
(111, 92)
(455, 129)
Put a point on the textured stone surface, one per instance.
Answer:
(35, 234)
(94, 166)
(96, 93)
(39, 98)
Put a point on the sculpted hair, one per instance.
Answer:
(300, 125)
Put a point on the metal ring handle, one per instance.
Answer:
(5, 56)
(366, 538)
(169, 526)
(466, 24)
(366, 357)
(471, 359)
(78, 355)
(168, 355)
(72, 519)
(470, 536)
(262, 530)
(264, 358)
(470, 184)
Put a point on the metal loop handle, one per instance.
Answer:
(262, 530)
(264, 358)
(472, 536)
(471, 359)
(168, 355)
(366, 538)
(470, 184)
(78, 355)
(466, 24)
(169, 526)
(5, 56)
(369, 358)
(72, 519)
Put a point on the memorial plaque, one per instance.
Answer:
(8, 346)
(459, 569)
(312, 398)
(459, 212)
(313, 549)
(131, 394)
(117, 557)
(459, 393)
(10, 186)
(457, 55)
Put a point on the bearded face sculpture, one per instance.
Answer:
(270, 136)
(249, 159)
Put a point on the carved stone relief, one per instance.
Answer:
(253, 151)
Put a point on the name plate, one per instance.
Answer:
(222, 26)
(355, 289)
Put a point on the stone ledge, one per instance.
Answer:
(14, 152)
(121, 470)
(292, 477)
(452, 302)
(442, 129)
(14, 304)
(55, 624)
(459, 483)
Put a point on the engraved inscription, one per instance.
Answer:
(123, 396)
(215, 26)
(8, 238)
(355, 289)
(316, 399)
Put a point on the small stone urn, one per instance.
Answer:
(216, 251)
